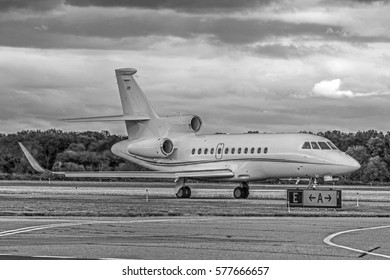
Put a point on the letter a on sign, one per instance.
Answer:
(320, 198)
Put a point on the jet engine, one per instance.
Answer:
(195, 123)
(153, 148)
(184, 123)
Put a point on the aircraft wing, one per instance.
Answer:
(216, 173)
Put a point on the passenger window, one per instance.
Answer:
(226, 150)
(233, 150)
(332, 145)
(206, 151)
(219, 151)
(199, 151)
(258, 150)
(324, 146)
(252, 150)
(239, 150)
(306, 146)
(212, 151)
(265, 150)
(245, 150)
(315, 145)
(193, 151)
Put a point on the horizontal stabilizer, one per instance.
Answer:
(109, 119)
(219, 173)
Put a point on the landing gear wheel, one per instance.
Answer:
(184, 192)
(238, 192)
(241, 191)
(187, 192)
(180, 193)
(245, 193)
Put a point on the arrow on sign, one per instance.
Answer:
(311, 197)
(329, 198)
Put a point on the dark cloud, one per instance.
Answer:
(107, 30)
(341, 34)
(178, 5)
(369, 1)
(352, 2)
(236, 31)
(132, 29)
(291, 51)
(35, 36)
(39, 5)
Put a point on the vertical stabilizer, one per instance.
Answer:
(134, 102)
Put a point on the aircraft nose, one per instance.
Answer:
(352, 163)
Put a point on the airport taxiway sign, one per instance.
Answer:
(314, 198)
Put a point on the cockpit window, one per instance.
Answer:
(315, 145)
(332, 145)
(306, 145)
(324, 146)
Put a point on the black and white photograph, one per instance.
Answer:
(194, 138)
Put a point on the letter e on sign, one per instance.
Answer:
(294, 197)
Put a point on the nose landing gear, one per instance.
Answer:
(313, 183)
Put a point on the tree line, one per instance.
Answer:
(91, 151)
(59, 151)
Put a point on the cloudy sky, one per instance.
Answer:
(275, 66)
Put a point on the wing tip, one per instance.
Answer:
(33, 162)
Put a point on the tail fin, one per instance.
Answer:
(134, 102)
(140, 117)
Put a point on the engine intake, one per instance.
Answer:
(195, 123)
(167, 147)
(183, 123)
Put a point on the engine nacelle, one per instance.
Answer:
(153, 148)
(195, 123)
(185, 123)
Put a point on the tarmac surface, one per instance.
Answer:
(191, 237)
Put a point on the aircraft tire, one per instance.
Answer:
(238, 192)
(187, 192)
(180, 193)
(245, 193)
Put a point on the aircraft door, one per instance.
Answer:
(219, 151)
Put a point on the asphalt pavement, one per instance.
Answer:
(192, 237)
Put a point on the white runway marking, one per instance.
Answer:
(328, 241)
(34, 228)
(40, 227)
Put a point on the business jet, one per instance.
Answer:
(172, 148)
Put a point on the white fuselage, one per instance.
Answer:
(249, 156)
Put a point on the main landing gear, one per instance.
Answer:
(242, 191)
(184, 192)
(313, 183)
(181, 190)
